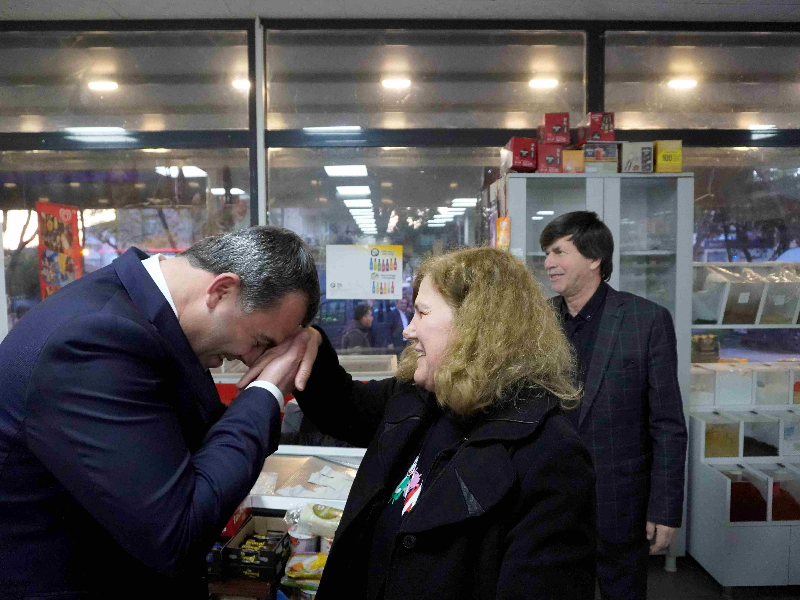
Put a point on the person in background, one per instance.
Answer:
(474, 483)
(358, 333)
(119, 465)
(632, 415)
(399, 318)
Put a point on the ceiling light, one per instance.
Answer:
(139, 185)
(155, 150)
(103, 86)
(396, 83)
(353, 190)
(323, 199)
(218, 191)
(435, 224)
(241, 84)
(387, 201)
(74, 184)
(237, 191)
(545, 212)
(443, 218)
(543, 83)
(536, 218)
(453, 184)
(336, 129)
(759, 127)
(194, 184)
(346, 171)
(462, 202)
(10, 184)
(358, 203)
(448, 210)
(364, 220)
(386, 184)
(682, 84)
(95, 130)
(361, 211)
(189, 171)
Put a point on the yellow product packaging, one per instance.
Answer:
(306, 566)
(572, 161)
(669, 156)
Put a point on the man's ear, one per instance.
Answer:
(595, 264)
(222, 285)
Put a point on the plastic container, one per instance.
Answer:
(721, 436)
(302, 542)
(748, 494)
(772, 385)
(785, 492)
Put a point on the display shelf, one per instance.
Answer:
(745, 385)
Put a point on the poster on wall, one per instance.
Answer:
(60, 258)
(364, 272)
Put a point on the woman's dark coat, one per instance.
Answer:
(510, 513)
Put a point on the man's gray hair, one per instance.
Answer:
(271, 262)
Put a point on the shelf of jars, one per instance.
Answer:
(741, 295)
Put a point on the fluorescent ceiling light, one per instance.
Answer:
(386, 184)
(191, 171)
(361, 211)
(155, 150)
(543, 83)
(436, 224)
(545, 212)
(96, 130)
(241, 84)
(237, 191)
(449, 210)
(173, 172)
(218, 191)
(396, 83)
(536, 218)
(336, 129)
(759, 127)
(353, 190)
(363, 217)
(464, 202)
(103, 86)
(358, 203)
(682, 84)
(346, 170)
(444, 218)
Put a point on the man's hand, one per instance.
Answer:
(288, 365)
(663, 536)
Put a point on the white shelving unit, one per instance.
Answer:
(650, 217)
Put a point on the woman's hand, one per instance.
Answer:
(288, 365)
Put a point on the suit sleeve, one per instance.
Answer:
(667, 424)
(340, 407)
(550, 551)
(101, 419)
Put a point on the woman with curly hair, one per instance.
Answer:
(474, 484)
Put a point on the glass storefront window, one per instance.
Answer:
(157, 200)
(404, 189)
(119, 81)
(402, 79)
(658, 80)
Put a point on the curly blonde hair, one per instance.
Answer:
(507, 335)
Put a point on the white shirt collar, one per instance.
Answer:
(154, 269)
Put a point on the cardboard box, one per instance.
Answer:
(265, 564)
(601, 157)
(549, 158)
(596, 127)
(518, 156)
(554, 128)
(669, 156)
(572, 161)
(237, 519)
(637, 157)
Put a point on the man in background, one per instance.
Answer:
(119, 465)
(358, 333)
(631, 416)
(399, 317)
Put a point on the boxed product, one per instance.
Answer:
(669, 156)
(637, 157)
(259, 550)
(572, 161)
(518, 156)
(237, 519)
(549, 158)
(601, 157)
(554, 128)
(596, 127)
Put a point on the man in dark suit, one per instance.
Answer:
(399, 318)
(631, 416)
(118, 463)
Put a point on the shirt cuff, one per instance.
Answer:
(272, 389)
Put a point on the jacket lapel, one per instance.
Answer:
(603, 348)
(204, 402)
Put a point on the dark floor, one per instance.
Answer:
(692, 582)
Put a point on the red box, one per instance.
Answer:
(518, 156)
(596, 127)
(554, 128)
(549, 158)
(238, 519)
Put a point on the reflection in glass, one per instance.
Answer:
(156, 201)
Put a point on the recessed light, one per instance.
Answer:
(396, 83)
(194, 184)
(74, 184)
(44, 199)
(323, 199)
(387, 200)
(102, 200)
(353, 190)
(139, 185)
(103, 86)
(537, 218)
(545, 212)
(367, 203)
(453, 184)
(386, 184)
(543, 83)
(241, 84)
(10, 184)
(682, 84)
(346, 170)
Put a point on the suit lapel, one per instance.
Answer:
(204, 402)
(603, 348)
